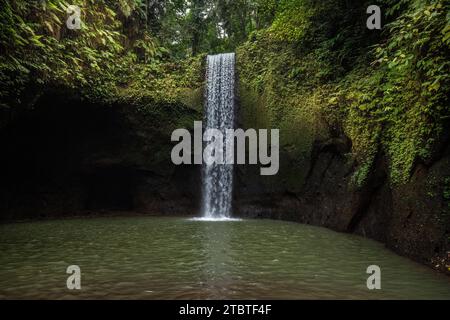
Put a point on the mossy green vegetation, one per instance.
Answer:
(108, 60)
(311, 69)
(388, 91)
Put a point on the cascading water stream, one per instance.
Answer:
(219, 114)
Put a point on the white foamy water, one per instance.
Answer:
(223, 219)
(219, 114)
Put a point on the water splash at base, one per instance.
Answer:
(219, 219)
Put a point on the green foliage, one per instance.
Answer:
(292, 20)
(271, 78)
(168, 82)
(41, 51)
(100, 61)
(310, 68)
(408, 96)
(392, 98)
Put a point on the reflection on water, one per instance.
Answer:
(175, 258)
(217, 262)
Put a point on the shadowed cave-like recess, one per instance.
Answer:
(68, 157)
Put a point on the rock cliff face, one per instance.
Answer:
(69, 157)
(411, 219)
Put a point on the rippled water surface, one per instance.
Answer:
(177, 258)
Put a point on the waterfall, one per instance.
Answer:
(219, 114)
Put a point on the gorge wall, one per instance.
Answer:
(411, 219)
(364, 135)
(70, 157)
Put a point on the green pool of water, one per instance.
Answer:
(176, 258)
